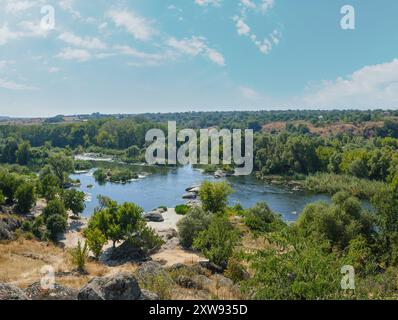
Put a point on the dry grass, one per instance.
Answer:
(21, 262)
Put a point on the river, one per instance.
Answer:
(165, 187)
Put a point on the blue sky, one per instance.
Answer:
(191, 55)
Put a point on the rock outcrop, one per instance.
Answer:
(11, 292)
(36, 292)
(122, 286)
(8, 224)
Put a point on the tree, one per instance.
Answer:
(54, 207)
(95, 240)
(25, 196)
(56, 224)
(48, 184)
(218, 241)
(62, 166)
(214, 196)
(194, 221)
(293, 268)
(261, 218)
(9, 183)
(74, 200)
(9, 151)
(23, 153)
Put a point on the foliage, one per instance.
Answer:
(25, 196)
(261, 218)
(95, 241)
(79, 256)
(54, 207)
(214, 196)
(182, 209)
(195, 221)
(295, 268)
(218, 241)
(56, 224)
(338, 223)
(74, 200)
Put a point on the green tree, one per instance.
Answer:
(54, 207)
(261, 218)
(191, 224)
(62, 166)
(217, 243)
(214, 196)
(25, 196)
(96, 241)
(48, 184)
(23, 153)
(10, 150)
(56, 224)
(74, 200)
(79, 256)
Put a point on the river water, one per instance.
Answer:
(165, 187)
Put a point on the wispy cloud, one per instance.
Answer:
(195, 46)
(140, 27)
(79, 55)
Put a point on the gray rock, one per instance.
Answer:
(126, 252)
(122, 286)
(190, 196)
(154, 216)
(194, 189)
(11, 292)
(8, 224)
(223, 281)
(148, 295)
(35, 292)
(187, 282)
(212, 267)
(152, 269)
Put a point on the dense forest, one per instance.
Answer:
(351, 155)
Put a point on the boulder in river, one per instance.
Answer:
(193, 189)
(190, 196)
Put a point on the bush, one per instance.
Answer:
(218, 241)
(235, 270)
(182, 209)
(214, 196)
(56, 224)
(74, 200)
(261, 218)
(100, 176)
(25, 196)
(79, 256)
(194, 221)
(96, 241)
(149, 239)
(54, 207)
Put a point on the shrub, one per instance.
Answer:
(182, 209)
(79, 256)
(194, 221)
(235, 270)
(214, 196)
(149, 239)
(74, 200)
(25, 196)
(54, 207)
(56, 224)
(261, 218)
(218, 241)
(96, 241)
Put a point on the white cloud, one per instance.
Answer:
(372, 86)
(11, 85)
(74, 54)
(86, 43)
(6, 34)
(206, 3)
(195, 46)
(138, 26)
(16, 6)
(242, 27)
